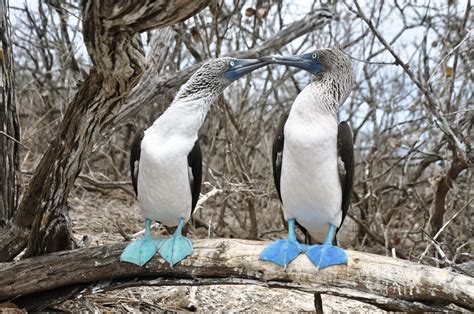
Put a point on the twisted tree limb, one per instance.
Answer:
(110, 30)
(389, 283)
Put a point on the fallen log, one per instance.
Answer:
(389, 283)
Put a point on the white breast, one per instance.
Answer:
(164, 193)
(310, 186)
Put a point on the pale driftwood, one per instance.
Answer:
(387, 282)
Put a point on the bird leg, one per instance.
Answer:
(327, 254)
(176, 247)
(282, 252)
(140, 251)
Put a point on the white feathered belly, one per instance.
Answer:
(310, 184)
(164, 192)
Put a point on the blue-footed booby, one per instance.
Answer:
(170, 162)
(313, 160)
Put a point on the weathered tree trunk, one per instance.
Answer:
(53, 235)
(387, 282)
(111, 35)
(9, 127)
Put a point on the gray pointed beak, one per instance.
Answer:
(243, 67)
(294, 61)
(304, 61)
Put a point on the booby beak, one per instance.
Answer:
(241, 67)
(307, 61)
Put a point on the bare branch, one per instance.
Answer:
(433, 105)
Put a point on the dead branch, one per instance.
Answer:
(432, 103)
(444, 185)
(118, 64)
(151, 87)
(108, 185)
(386, 282)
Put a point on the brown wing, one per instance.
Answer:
(195, 173)
(277, 153)
(345, 151)
(135, 158)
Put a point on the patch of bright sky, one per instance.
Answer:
(298, 9)
(16, 17)
(406, 46)
(295, 10)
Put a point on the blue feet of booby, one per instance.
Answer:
(140, 251)
(282, 252)
(176, 247)
(326, 254)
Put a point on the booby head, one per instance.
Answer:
(216, 74)
(320, 61)
(331, 67)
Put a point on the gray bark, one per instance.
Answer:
(110, 31)
(9, 127)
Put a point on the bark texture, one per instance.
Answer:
(111, 35)
(9, 127)
(384, 281)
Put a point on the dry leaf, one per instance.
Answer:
(448, 71)
(195, 33)
(250, 12)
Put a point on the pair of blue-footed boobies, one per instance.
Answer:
(312, 160)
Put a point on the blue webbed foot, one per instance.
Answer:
(176, 248)
(326, 255)
(140, 251)
(281, 252)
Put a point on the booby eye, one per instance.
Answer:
(232, 63)
(314, 55)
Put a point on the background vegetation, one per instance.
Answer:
(411, 110)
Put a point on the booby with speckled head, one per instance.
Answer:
(166, 161)
(313, 160)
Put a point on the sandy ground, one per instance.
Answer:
(95, 217)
